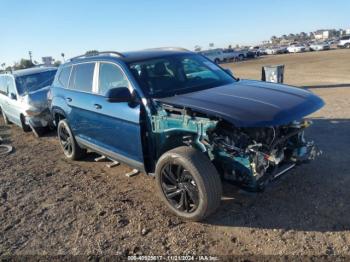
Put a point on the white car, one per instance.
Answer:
(296, 48)
(344, 42)
(215, 55)
(319, 46)
(231, 54)
(271, 50)
(276, 50)
(23, 98)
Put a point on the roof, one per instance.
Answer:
(133, 56)
(33, 70)
(150, 54)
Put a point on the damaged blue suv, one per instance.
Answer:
(176, 115)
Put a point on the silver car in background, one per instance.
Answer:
(319, 46)
(23, 98)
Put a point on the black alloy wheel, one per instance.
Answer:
(65, 140)
(179, 187)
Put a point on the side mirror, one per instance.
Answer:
(227, 70)
(13, 96)
(118, 95)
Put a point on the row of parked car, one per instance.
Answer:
(343, 42)
(220, 55)
(170, 113)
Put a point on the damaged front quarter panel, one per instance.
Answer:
(249, 157)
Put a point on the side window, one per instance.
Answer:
(82, 77)
(193, 69)
(10, 86)
(64, 76)
(3, 87)
(110, 76)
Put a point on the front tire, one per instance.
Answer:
(188, 183)
(6, 120)
(69, 145)
(39, 131)
(24, 126)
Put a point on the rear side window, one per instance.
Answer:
(111, 76)
(82, 77)
(3, 86)
(64, 76)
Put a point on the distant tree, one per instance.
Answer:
(57, 63)
(303, 35)
(91, 52)
(197, 48)
(23, 64)
(229, 47)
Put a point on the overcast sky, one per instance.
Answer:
(48, 28)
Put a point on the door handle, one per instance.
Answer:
(97, 106)
(69, 99)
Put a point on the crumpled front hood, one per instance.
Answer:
(249, 103)
(38, 99)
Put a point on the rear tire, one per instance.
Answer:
(188, 183)
(69, 145)
(217, 61)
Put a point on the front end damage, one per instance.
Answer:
(249, 157)
(36, 108)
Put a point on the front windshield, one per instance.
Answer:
(33, 82)
(178, 74)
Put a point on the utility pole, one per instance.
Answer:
(30, 56)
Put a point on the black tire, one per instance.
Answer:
(217, 61)
(25, 127)
(39, 131)
(198, 184)
(241, 57)
(69, 145)
(347, 45)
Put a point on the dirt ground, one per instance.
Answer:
(52, 206)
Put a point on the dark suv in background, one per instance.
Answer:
(178, 116)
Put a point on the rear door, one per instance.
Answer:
(78, 97)
(3, 92)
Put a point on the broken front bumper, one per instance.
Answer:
(42, 119)
(301, 155)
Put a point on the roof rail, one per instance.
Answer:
(169, 48)
(96, 54)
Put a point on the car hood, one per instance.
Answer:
(248, 103)
(38, 99)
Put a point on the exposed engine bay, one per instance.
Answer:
(259, 154)
(249, 156)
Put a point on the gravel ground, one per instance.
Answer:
(52, 206)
